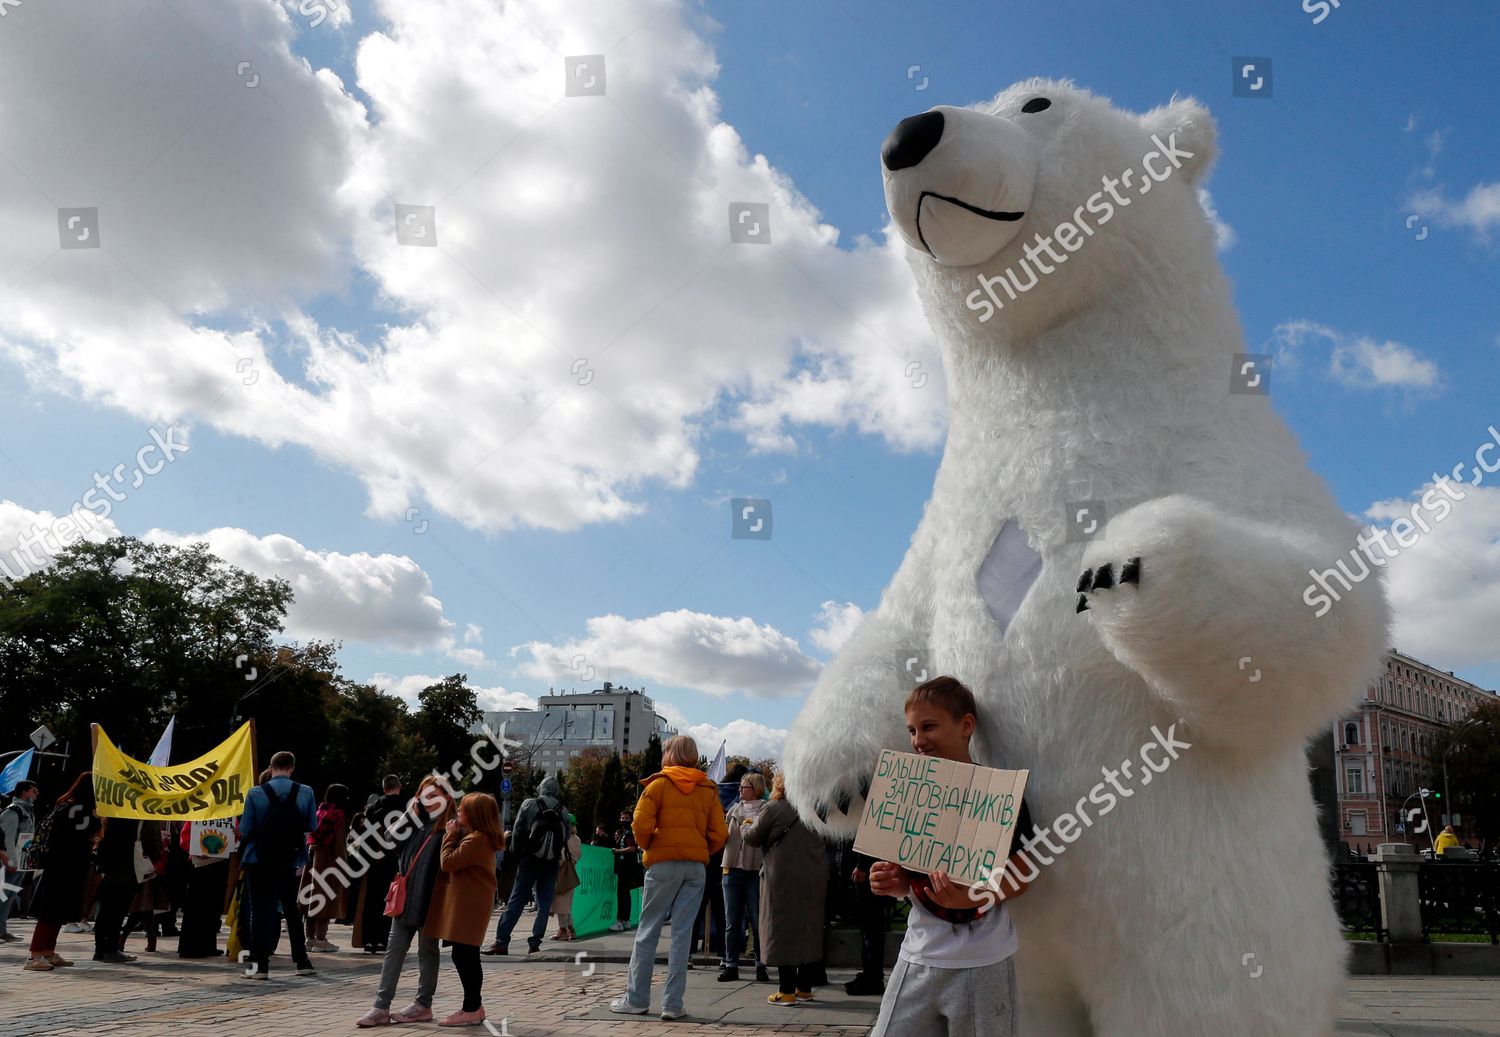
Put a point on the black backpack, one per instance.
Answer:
(548, 833)
(281, 834)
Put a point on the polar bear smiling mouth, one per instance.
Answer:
(989, 214)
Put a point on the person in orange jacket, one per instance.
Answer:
(679, 823)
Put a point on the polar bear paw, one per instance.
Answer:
(1103, 579)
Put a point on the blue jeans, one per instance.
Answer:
(741, 905)
(530, 874)
(672, 888)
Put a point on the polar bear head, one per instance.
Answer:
(1047, 180)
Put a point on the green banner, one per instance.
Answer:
(594, 899)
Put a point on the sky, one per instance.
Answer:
(502, 435)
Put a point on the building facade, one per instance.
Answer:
(1389, 748)
(610, 718)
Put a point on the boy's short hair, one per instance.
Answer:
(283, 761)
(945, 692)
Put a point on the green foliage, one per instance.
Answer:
(613, 795)
(447, 712)
(652, 762)
(581, 784)
(124, 634)
(1474, 769)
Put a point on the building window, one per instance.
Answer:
(1354, 781)
(1351, 734)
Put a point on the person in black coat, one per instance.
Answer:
(115, 861)
(66, 866)
(375, 926)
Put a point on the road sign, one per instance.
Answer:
(508, 767)
(504, 786)
(42, 737)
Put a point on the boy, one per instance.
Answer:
(954, 975)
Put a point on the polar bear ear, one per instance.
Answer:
(1195, 131)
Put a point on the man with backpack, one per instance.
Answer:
(273, 839)
(17, 823)
(537, 840)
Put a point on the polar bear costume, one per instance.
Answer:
(1199, 905)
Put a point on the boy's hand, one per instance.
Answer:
(858, 875)
(952, 894)
(887, 880)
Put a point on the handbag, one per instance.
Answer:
(145, 867)
(395, 896)
(567, 874)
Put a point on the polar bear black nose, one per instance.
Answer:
(911, 140)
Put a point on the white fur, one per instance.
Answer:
(1110, 380)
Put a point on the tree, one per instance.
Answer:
(447, 713)
(766, 767)
(652, 761)
(581, 783)
(125, 634)
(1473, 754)
(613, 798)
(366, 723)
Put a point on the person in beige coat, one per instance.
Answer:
(562, 899)
(465, 895)
(793, 887)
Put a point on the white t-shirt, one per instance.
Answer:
(931, 941)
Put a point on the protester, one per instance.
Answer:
(374, 925)
(956, 955)
(741, 880)
(567, 881)
(152, 898)
(791, 896)
(328, 847)
(17, 826)
(629, 875)
(273, 829)
(418, 861)
(869, 913)
(464, 895)
(63, 843)
(537, 839)
(120, 842)
(203, 899)
(679, 823)
(602, 837)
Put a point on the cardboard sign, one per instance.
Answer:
(928, 815)
(212, 839)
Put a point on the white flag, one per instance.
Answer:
(163, 751)
(719, 766)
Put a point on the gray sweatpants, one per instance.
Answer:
(920, 999)
(428, 961)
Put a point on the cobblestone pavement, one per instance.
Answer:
(561, 997)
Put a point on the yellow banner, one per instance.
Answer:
(210, 787)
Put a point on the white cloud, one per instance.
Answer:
(583, 321)
(742, 737)
(1479, 210)
(1357, 361)
(1445, 589)
(682, 649)
(381, 599)
(29, 540)
(1224, 236)
(407, 689)
(835, 622)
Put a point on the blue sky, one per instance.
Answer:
(1373, 118)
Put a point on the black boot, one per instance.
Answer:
(729, 974)
(864, 985)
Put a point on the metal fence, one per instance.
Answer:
(1356, 895)
(1460, 897)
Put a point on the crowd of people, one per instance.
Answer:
(728, 864)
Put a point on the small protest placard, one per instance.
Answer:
(928, 815)
(212, 839)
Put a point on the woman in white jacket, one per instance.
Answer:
(742, 880)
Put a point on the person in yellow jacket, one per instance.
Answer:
(1445, 840)
(679, 823)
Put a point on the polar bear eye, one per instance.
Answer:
(1036, 104)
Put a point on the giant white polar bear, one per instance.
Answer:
(1194, 901)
